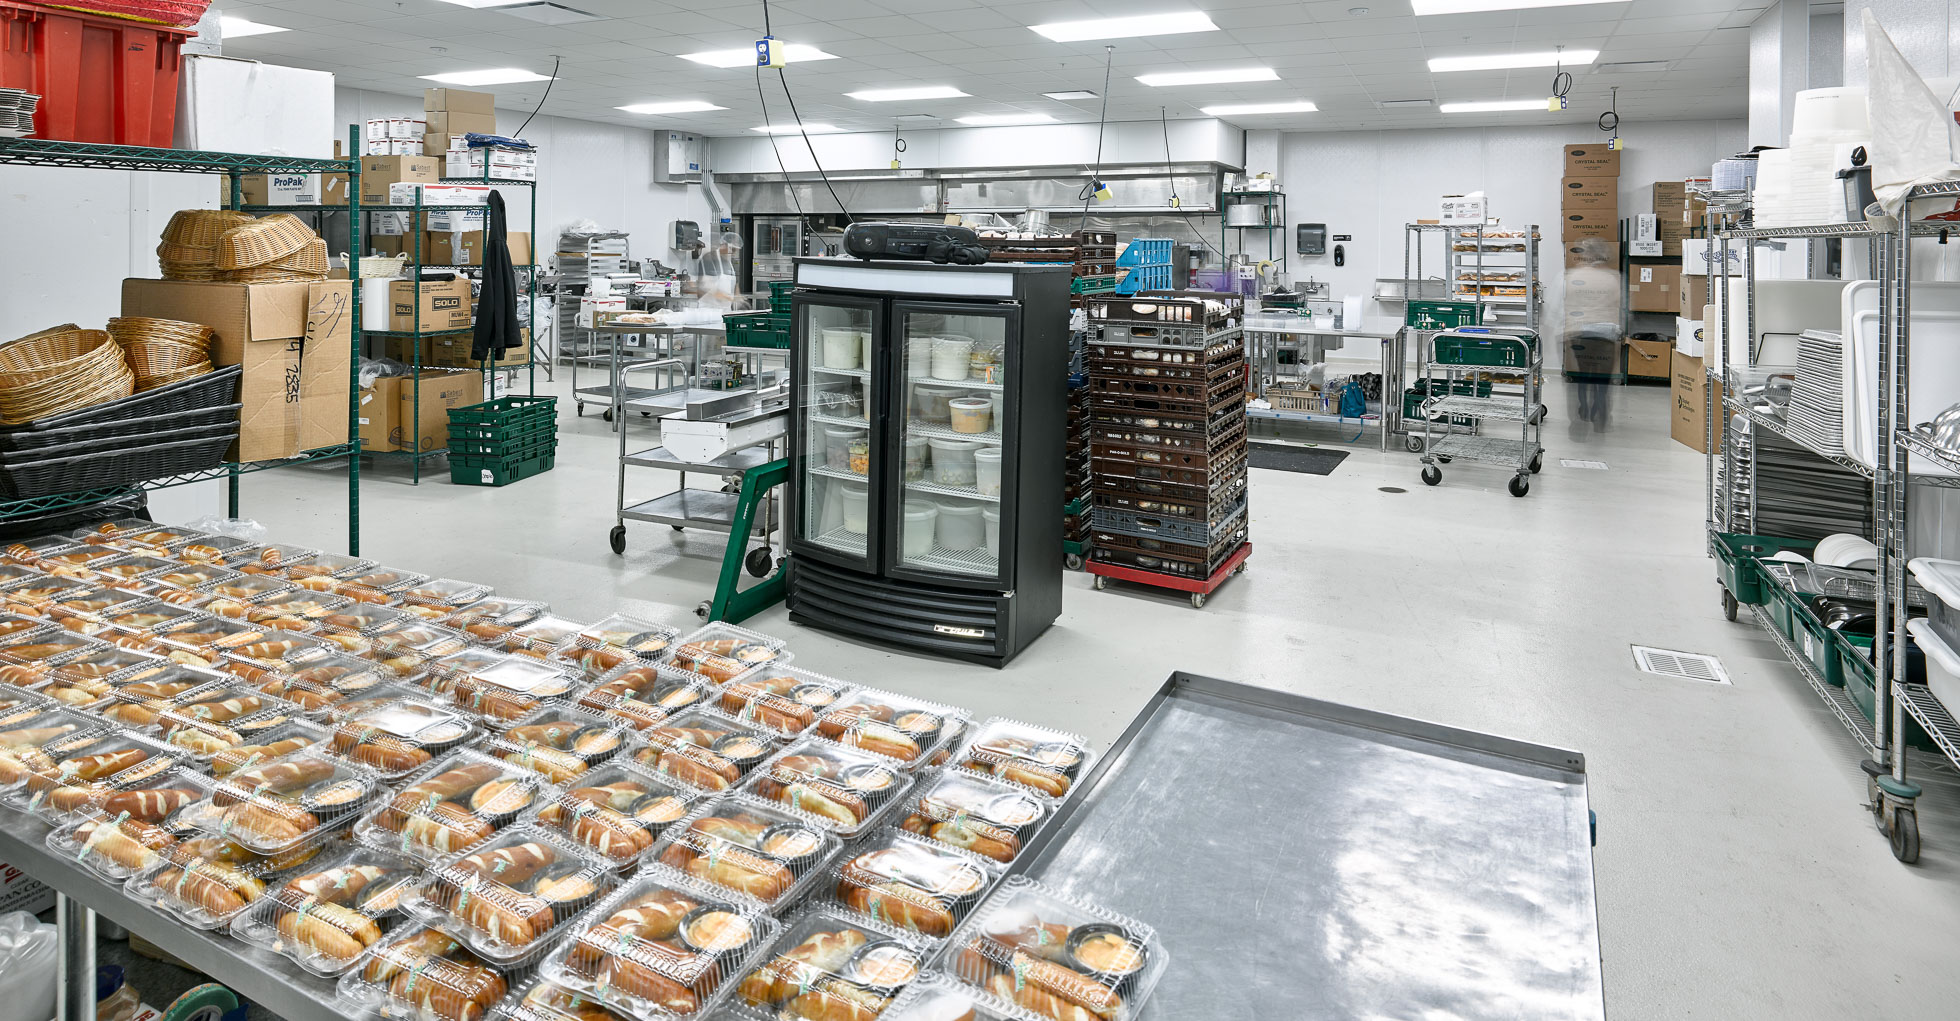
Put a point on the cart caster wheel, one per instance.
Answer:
(609, 415)
(1100, 583)
(759, 562)
(618, 539)
(1072, 561)
(1239, 569)
(676, 528)
(1197, 600)
(1442, 458)
(1905, 835)
(1431, 475)
(646, 414)
(1729, 606)
(581, 407)
(1414, 443)
(703, 610)
(1520, 485)
(1537, 462)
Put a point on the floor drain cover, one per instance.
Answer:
(1692, 666)
(1391, 489)
(1566, 462)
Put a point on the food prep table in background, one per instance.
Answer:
(1265, 341)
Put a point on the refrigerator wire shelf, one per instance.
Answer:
(980, 562)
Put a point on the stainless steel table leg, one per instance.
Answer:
(74, 997)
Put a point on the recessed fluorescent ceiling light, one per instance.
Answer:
(1127, 28)
(551, 14)
(1494, 106)
(796, 53)
(1631, 66)
(1423, 7)
(239, 28)
(1501, 61)
(1405, 104)
(1062, 97)
(480, 4)
(917, 92)
(1237, 74)
(1001, 119)
(679, 106)
(489, 76)
(1303, 106)
(791, 129)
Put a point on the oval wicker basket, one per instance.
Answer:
(201, 228)
(173, 376)
(54, 372)
(130, 330)
(262, 241)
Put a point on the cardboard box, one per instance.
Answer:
(454, 351)
(459, 101)
(22, 892)
(334, 189)
(1611, 250)
(1695, 294)
(1603, 224)
(324, 366)
(1646, 249)
(465, 248)
(380, 173)
(1667, 196)
(1654, 289)
(1590, 193)
(1691, 337)
(379, 413)
(460, 122)
(407, 193)
(1471, 208)
(440, 392)
(445, 305)
(1591, 159)
(447, 221)
(1646, 227)
(278, 189)
(1700, 254)
(1688, 416)
(1649, 359)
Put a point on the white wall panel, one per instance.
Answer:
(1927, 32)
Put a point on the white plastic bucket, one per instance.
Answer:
(986, 471)
(842, 349)
(921, 524)
(952, 461)
(992, 519)
(999, 399)
(971, 414)
(960, 526)
(949, 358)
(857, 508)
(918, 357)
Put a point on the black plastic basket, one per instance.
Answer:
(108, 436)
(199, 393)
(121, 468)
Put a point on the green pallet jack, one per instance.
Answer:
(729, 604)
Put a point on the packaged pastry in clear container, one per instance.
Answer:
(510, 898)
(151, 796)
(396, 731)
(421, 974)
(500, 689)
(315, 682)
(18, 626)
(227, 701)
(643, 694)
(539, 637)
(117, 847)
(440, 596)
(277, 743)
(559, 742)
(618, 810)
(30, 649)
(544, 1000)
(896, 726)
(407, 647)
(206, 882)
(78, 561)
(32, 594)
(177, 576)
(328, 565)
(702, 749)
(27, 552)
(27, 723)
(755, 848)
(375, 584)
(148, 620)
(282, 609)
(276, 649)
(988, 817)
(350, 617)
(327, 913)
(1048, 762)
(137, 534)
(206, 727)
(503, 610)
(781, 698)
(100, 679)
(240, 588)
(453, 806)
(911, 883)
(937, 996)
(1055, 956)
(18, 705)
(600, 648)
(78, 769)
(830, 963)
(130, 569)
(274, 558)
(663, 946)
(211, 549)
(846, 790)
(284, 804)
(723, 652)
(206, 642)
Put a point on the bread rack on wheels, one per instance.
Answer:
(1477, 375)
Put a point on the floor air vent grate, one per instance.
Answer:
(1692, 666)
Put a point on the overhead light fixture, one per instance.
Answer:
(1236, 74)
(1423, 7)
(1063, 97)
(551, 14)
(678, 106)
(1126, 28)
(1494, 106)
(1631, 66)
(239, 28)
(481, 4)
(791, 129)
(1302, 106)
(488, 76)
(796, 53)
(916, 118)
(995, 120)
(915, 92)
(1406, 104)
(1502, 61)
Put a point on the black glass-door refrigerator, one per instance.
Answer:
(926, 440)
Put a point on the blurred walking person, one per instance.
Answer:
(1592, 335)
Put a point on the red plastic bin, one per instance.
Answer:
(100, 79)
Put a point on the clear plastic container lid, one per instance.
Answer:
(1054, 955)
(494, 609)
(643, 694)
(118, 847)
(327, 914)
(511, 897)
(702, 749)
(85, 687)
(154, 618)
(17, 704)
(544, 1000)
(136, 533)
(387, 579)
(85, 612)
(723, 652)
(896, 726)
(352, 590)
(47, 648)
(17, 626)
(618, 810)
(1045, 761)
(988, 817)
(540, 636)
(829, 963)
(129, 569)
(277, 743)
(412, 644)
(360, 618)
(279, 648)
(273, 558)
(179, 575)
(78, 561)
(219, 716)
(782, 698)
(845, 790)
(296, 604)
(454, 806)
(284, 804)
(559, 742)
(211, 549)
(939, 997)
(208, 640)
(334, 564)
(663, 946)
(315, 683)
(423, 974)
(754, 848)
(32, 594)
(501, 689)
(27, 552)
(14, 574)
(245, 588)
(28, 723)
(149, 796)
(396, 731)
(911, 883)
(68, 767)
(444, 594)
(646, 639)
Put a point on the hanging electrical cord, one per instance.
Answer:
(788, 185)
(1561, 81)
(1177, 204)
(1610, 120)
(555, 61)
(1095, 179)
(787, 94)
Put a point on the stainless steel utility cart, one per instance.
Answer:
(1458, 374)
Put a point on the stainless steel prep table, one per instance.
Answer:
(1263, 353)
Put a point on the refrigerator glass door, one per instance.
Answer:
(953, 360)
(835, 465)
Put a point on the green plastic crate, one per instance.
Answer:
(1735, 563)
(1440, 315)
(1094, 285)
(517, 448)
(498, 471)
(758, 329)
(1413, 397)
(503, 420)
(1495, 350)
(779, 296)
(1858, 677)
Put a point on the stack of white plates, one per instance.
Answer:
(17, 113)
(1816, 410)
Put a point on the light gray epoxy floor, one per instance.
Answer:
(1738, 875)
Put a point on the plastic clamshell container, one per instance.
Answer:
(84, 686)
(501, 689)
(643, 638)
(361, 618)
(130, 568)
(227, 702)
(544, 1000)
(196, 577)
(210, 549)
(643, 694)
(510, 898)
(151, 795)
(30, 595)
(783, 699)
(911, 883)
(115, 847)
(18, 705)
(28, 552)
(988, 817)
(326, 915)
(1045, 761)
(494, 610)
(885, 723)
(1032, 946)
(31, 723)
(754, 848)
(314, 683)
(830, 963)
(845, 790)
(83, 613)
(78, 561)
(155, 618)
(445, 594)
(284, 804)
(245, 588)
(352, 590)
(396, 731)
(205, 738)
(14, 574)
(559, 742)
(210, 639)
(939, 997)
(296, 604)
(618, 810)
(279, 742)
(30, 649)
(82, 770)
(541, 636)
(418, 639)
(17, 627)
(663, 946)
(138, 534)
(329, 565)
(273, 558)
(703, 750)
(277, 648)
(723, 652)
(454, 806)
(384, 579)
(99, 662)
(206, 881)
(423, 974)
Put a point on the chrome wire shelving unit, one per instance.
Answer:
(1491, 259)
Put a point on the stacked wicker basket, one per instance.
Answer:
(162, 351)
(218, 244)
(58, 370)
